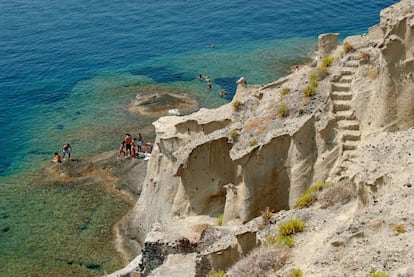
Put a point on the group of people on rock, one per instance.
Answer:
(66, 149)
(132, 147)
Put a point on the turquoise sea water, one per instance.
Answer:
(69, 69)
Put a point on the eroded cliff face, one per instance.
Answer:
(245, 156)
(386, 81)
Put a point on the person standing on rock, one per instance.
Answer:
(66, 149)
(128, 141)
(139, 142)
(121, 149)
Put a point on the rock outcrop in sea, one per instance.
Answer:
(221, 181)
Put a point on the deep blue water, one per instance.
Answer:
(48, 47)
(68, 70)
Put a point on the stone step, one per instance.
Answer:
(352, 63)
(340, 87)
(348, 124)
(345, 115)
(351, 135)
(345, 79)
(341, 95)
(345, 70)
(341, 105)
(350, 154)
(350, 145)
(352, 57)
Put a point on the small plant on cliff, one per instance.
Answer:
(282, 111)
(310, 91)
(291, 227)
(377, 274)
(327, 62)
(309, 196)
(296, 272)
(266, 216)
(285, 232)
(220, 220)
(252, 142)
(348, 47)
(285, 91)
(219, 273)
(399, 229)
(234, 134)
(323, 70)
(236, 105)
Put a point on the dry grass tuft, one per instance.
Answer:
(348, 47)
(234, 134)
(377, 274)
(399, 229)
(260, 261)
(252, 142)
(266, 216)
(295, 273)
(284, 91)
(372, 73)
(219, 273)
(236, 105)
(309, 196)
(283, 110)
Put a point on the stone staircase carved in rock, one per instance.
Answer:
(341, 95)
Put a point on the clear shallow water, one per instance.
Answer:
(69, 69)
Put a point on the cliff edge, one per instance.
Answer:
(345, 119)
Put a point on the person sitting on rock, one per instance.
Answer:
(56, 158)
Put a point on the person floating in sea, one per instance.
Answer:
(56, 158)
(66, 149)
(223, 93)
(209, 84)
(200, 77)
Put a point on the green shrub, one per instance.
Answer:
(295, 273)
(285, 240)
(305, 200)
(219, 273)
(319, 186)
(310, 91)
(285, 91)
(234, 134)
(282, 111)
(348, 47)
(377, 274)
(220, 220)
(280, 240)
(291, 227)
(327, 62)
(314, 77)
(309, 196)
(236, 105)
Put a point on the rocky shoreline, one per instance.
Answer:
(345, 120)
